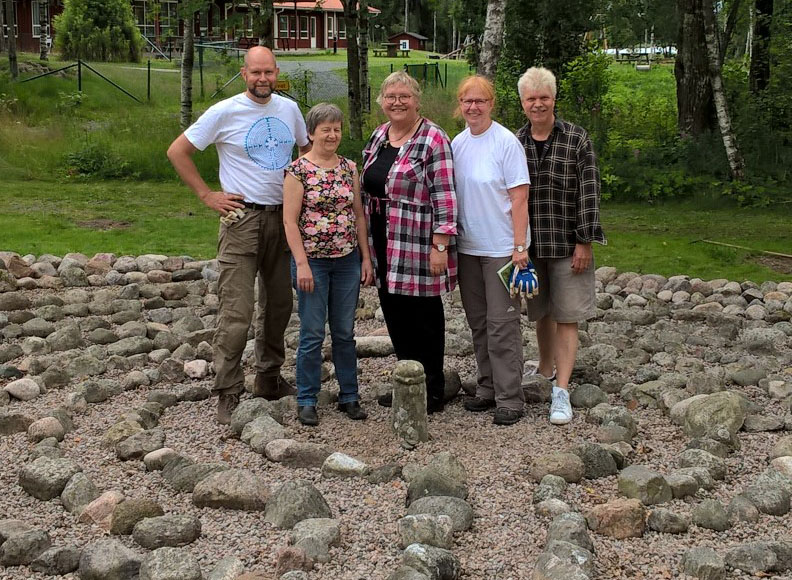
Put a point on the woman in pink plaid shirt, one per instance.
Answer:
(407, 185)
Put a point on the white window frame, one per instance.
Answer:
(283, 31)
(304, 31)
(35, 6)
(341, 28)
(330, 27)
(16, 22)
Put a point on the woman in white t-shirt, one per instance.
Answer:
(492, 182)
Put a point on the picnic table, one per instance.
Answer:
(404, 52)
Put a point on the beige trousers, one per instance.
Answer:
(494, 319)
(255, 245)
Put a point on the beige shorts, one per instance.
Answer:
(563, 295)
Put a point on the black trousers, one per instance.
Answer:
(416, 324)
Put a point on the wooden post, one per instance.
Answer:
(408, 413)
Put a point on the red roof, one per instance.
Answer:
(324, 6)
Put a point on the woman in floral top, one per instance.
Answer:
(326, 231)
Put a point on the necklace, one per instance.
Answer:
(403, 135)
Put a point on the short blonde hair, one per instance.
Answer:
(536, 78)
(475, 82)
(400, 78)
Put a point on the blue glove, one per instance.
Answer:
(524, 282)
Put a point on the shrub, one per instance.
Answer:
(94, 160)
(98, 30)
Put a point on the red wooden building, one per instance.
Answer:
(409, 41)
(28, 22)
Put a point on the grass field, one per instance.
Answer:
(132, 203)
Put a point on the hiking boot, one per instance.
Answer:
(226, 403)
(434, 405)
(478, 404)
(353, 410)
(272, 388)
(560, 408)
(504, 416)
(307, 415)
(385, 400)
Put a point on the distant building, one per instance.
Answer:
(409, 40)
(319, 22)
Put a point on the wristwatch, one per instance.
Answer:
(519, 248)
(440, 247)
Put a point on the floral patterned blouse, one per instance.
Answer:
(327, 218)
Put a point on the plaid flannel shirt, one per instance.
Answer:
(563, 204)
(421, 202)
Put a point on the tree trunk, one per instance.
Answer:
(493, 38)
(187, 71)
(728, 31)
(12, 54)
(2, 21)
(43, 29)
(265, 35)
(353, 70)
(736, 161)
(694, 91)
(363, 54)
(759, 76)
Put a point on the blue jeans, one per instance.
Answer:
(334, 299)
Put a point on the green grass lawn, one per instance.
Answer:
(164, 217)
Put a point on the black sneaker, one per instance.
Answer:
(385, 400)
(505, 416)
(434, 406)
(353, 410)
(307, 415)
(479, 404)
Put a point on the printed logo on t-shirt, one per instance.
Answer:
(269, 143)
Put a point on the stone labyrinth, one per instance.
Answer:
(676, 465)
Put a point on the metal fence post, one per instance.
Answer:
(79, 75)
(200, 63)
(148, 82)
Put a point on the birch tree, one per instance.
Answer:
(12, 54)
(493, 38)
(363, 19)
(188, 58)
(353, 70)
(736, 161)
(43, 29)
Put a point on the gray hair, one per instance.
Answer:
(400, 78)
(322, 113)
(536, 78)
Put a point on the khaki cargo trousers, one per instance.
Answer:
(254, 245)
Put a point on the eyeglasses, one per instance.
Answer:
(390, 99)
(467, 103)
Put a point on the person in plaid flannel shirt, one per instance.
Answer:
(565, 221)
(407, 186)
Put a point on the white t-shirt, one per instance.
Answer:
(254, 143)
(486, 166)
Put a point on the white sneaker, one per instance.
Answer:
(560, 408)
(531, 369)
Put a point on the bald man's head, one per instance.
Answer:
(260, 73)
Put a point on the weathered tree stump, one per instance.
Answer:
(409, 403)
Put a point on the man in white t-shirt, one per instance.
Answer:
(254, 134)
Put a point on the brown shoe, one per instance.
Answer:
(226, 403)
(272, 388)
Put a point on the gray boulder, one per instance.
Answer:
(430, 481)
(587, 396)
(667, 522)
(78, 493)
(171, 530)
(140, 444)
(458, 510)
(550, 566)
(570, 527)
(299, 454)
(57, 561)
(249, 409)
(682, 484)
(170, 564)
(237, 489)
(315, 536)
(436, 563)
(129, 512)
(704, 564)
(11, 423)
(741, 509)
(295, 501)
(566, 465)
(227, 569)
(710, 514)
(719, 409)
(597, 460)
(752, 557)
(551, 487)
(22, 548)
(640, 482)
(109, 560)
(700, 458)
(186, 478)
(46, 478)
(426, 529)
(571, 554)
(770, 493)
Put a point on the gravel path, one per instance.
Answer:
(507, 535)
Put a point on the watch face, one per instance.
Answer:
(520, 248)
(440, 247)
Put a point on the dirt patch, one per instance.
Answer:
(776, 263)
(103, 224)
